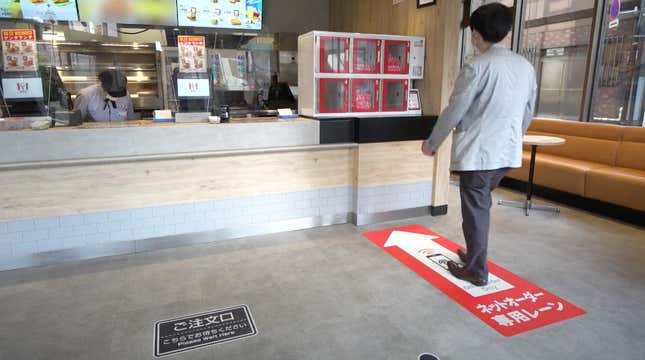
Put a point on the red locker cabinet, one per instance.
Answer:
(367, 56)
(333, 96)
(397, 57)
(365, 95)
(334, 54)
(395, 95)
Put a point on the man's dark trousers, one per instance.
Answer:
(475, 189)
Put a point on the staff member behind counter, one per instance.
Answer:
(107, 101)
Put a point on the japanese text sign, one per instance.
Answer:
(508, 303)
(19, 50)
(198, 330)
(192, 54)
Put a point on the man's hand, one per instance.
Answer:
(426, 150)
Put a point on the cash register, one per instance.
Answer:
(193, 91)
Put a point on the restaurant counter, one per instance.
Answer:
(104, 189)
(143, 137)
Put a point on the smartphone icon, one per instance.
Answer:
(439, 259)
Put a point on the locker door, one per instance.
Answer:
(365, 95)
(367, 56)
(395, 95)
(397, 57)
(334, 54)
(332, 96)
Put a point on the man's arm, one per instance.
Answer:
(530, 107)
(80, 104)
(460, 101)
(130, 105)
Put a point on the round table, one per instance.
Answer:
(534, 141)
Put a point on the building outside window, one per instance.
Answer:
(619, 86)
(469, 50)
(556, 39)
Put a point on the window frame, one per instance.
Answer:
(597, 31)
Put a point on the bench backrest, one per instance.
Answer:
(585, 141)
(631, 150)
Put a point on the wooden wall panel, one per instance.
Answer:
(85, 189)
(440, 25)
(393, 163)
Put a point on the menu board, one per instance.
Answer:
(44, 10)
(19, 50)
(137, 12)
(229, 14)
(192, 54)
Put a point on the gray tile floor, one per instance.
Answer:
(329, 293)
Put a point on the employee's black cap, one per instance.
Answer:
(114, 82)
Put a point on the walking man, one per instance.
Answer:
(490, 110)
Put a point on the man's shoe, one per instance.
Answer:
(462, 256)
(463, 274)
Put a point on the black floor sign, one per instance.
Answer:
(198, 330)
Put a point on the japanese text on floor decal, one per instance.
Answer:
(198, 330)
(509, 304)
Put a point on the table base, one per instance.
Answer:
(528, 206)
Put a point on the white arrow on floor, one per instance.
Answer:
(420, 246)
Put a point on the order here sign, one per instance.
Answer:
(508, 304)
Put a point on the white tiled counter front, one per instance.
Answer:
(78, 209)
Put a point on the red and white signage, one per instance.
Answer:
(193, 88)
(22, 88)
(192, 54)
(614, 14)
(509, 304)
(19, 50)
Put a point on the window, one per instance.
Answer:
(469, 50)
(556, 38)
(619, 86)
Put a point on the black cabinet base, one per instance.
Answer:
(439, 210)
(376, 130)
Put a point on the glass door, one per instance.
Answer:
(367, 56)
(334, 54)
(332, 95)
(395, 95)
(365, 94)
(397, 57)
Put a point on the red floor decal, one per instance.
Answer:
(509, 304)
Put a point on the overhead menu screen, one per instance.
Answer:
(226, 14)
(43, 10)
(134, 12)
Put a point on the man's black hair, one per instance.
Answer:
(493, 21)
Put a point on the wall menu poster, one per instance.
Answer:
(192, 54)
(230, 14)
(19, 50)
(44, 10)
